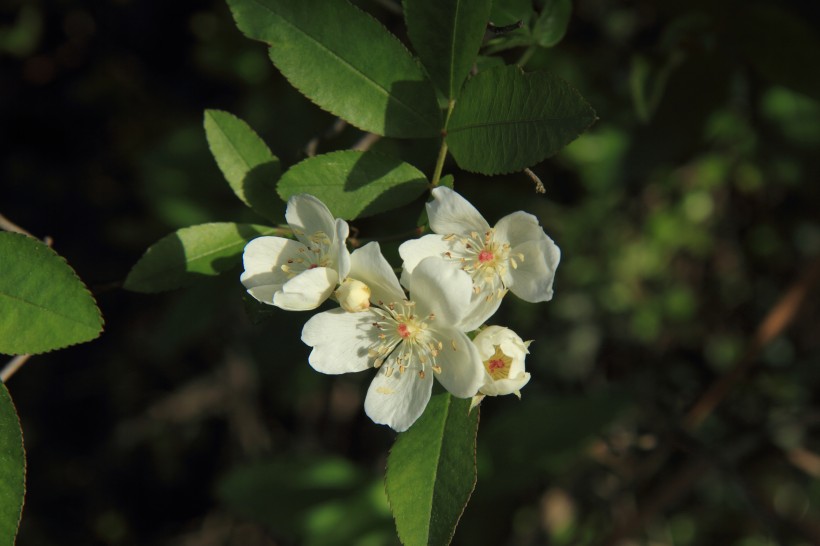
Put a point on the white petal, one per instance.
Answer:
(518, 227)
(462, 372)
(340, 340)
(442, 288)
(415, 250)
(369, 266)
(398, 400)
(532, 279)
(478, 312)
(341, 256)
(451, 213)
(503, 387)
(263, 259)
(306, 215)
(307, 290)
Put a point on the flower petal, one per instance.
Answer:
(462, 372)
(307, 290)
(451, 213)
(340, 340)
(532, 279)
(441, 288)
(518, 227)
(341, 256)
(306, 215)
(369, 266)
(263, 259)
(415, 250)
(503, 387)
(478, 312)
(399, 399)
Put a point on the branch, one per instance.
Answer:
(13, 365)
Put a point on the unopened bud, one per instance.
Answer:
(353, 296)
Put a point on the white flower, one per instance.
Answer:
(502, 352)
(514, 255)
(409, 340)
(298, 275)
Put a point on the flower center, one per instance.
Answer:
(485, 259)
(316, 254)
(405, 340)
(498, 365)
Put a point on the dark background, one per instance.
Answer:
(685, 216)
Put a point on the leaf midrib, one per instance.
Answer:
(173, 267)
(49, 310)
(346, 63)
(438, 463)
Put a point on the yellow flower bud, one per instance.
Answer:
(353, 296)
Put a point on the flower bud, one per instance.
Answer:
(353, 295)
(503, 354)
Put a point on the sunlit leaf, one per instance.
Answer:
(12, 469)
(346, 62)
(551, 25)
(431, 471)
(354, 184)
(249, 166)
(507, 120)
(193, 252)
(43, 304)
(446, 34)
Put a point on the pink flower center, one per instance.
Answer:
(313, 266)
(403, 330)
(485, 256)
(494, 365)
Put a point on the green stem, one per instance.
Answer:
(442, 152)
(525, 57)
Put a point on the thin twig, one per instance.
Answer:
(780, 316)
(8, 225)
(13, 365)
(334, 130)
(539, 186)
(366, 142)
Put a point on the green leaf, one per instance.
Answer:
(551, 25)
(354, 184)
(189, 253)
(447, 35)
(507, 12)
(322, 501)
(12, 469)
(431, 471)
(246, 161)
(346, 62)
(507, 120)
(43, 304)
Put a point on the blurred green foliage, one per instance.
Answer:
(683, 215)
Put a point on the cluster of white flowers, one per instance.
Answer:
(455, 280)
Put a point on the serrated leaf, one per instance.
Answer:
(190, 253)
(354, 184)
(43, 304)
(245, 160)
(431, 471)
(446, 35)
(346, 62)
(506, 120)
(12, 469)
(551, 25)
